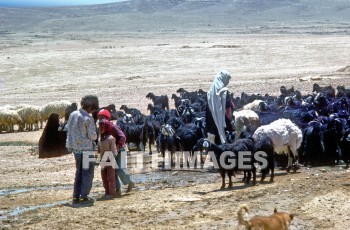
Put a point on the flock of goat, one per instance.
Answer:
(313, 129)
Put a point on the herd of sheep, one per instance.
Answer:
(28, 117)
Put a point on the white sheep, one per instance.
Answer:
(30, 116)
(286, 138)
(58, 107)
(8, 119)
(253, 105)
(9, 107)
(246, 119)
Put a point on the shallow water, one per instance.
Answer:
(144, 181)
(19, 210)
(170, 179)
(14, 191)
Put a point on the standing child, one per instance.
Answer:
(81, 133)
(107, 144)
(120, 138)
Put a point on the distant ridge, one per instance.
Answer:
(138, 15)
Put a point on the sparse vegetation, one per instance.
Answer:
(108, 47)
(224, 46)
(17, 143)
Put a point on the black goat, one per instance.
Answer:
(136, 114)
(332, 136)
(162, 100)
(268, 117)
(312, 147)
(111, 108)
(175, 122)
(246, 145)
(186, 137)
(266, 145)
(237, 147)
(195, 96)
(328, 91)
(287, 92)
(165, 141)
(205, 145)
(345, 147)
(155, 110)
(149, 133)
(343, 92)
(187, 113)
(177, 100)
(202, 93)
(321, 103)
(131, 111)
(340, 105)
(134, 134)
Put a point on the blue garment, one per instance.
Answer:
(83, 176)
(120, 172)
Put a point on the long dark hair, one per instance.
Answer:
(51, 130)
(52, 143)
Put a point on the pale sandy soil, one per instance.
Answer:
(38, 70)
(122, 69)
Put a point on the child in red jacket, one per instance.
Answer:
(107, 145)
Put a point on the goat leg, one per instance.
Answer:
(272, 177)
(150, 147)
(222, 174)
(244, 176)
(296, 166)
(254, 177)
(249, 176)
(290, 163)
(230, 173)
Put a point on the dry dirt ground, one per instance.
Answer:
(122, 69)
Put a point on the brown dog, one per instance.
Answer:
(277, 221)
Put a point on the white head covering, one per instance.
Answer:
(217, 101)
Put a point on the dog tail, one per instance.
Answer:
(241, 220)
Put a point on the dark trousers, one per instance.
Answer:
(83, 177)
(108, 179)
(211, 126)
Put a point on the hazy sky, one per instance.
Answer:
(20, 3)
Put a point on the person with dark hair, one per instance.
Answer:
(121, 174)
(81, 136)
(52, 142)
(216, 109)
